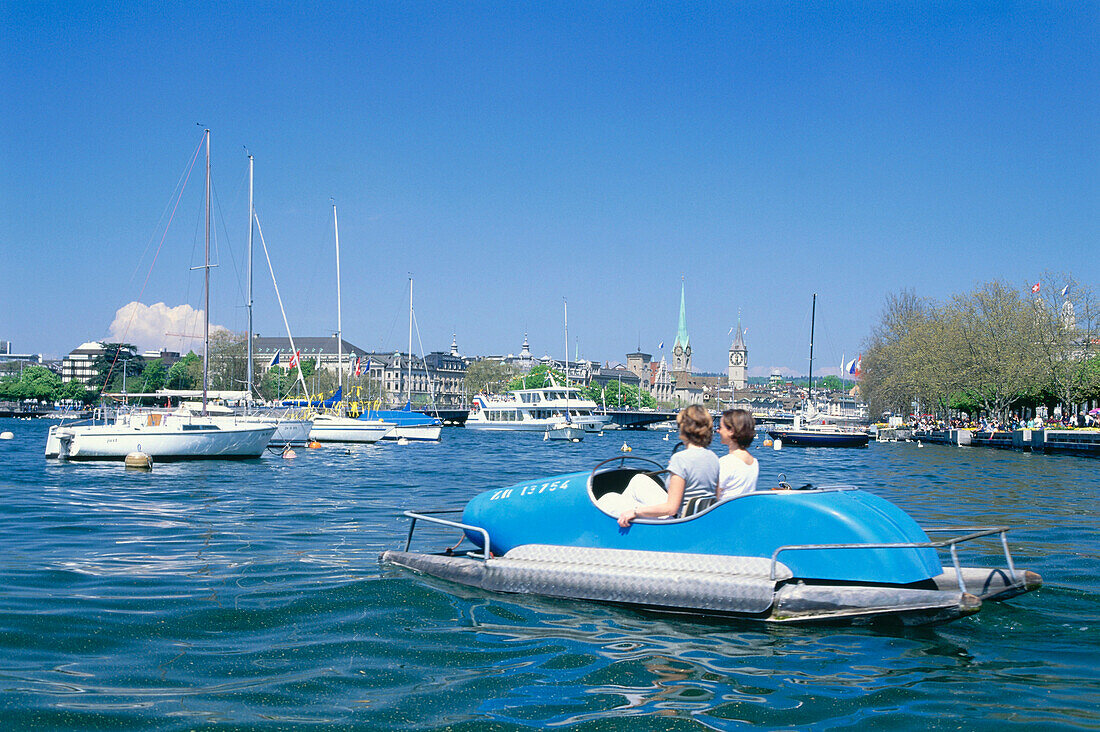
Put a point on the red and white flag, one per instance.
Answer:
(1035, 288)
(296, 358)
(359, 366)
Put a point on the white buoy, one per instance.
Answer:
(288, 452)
(6, 436)
(545, 436)
(777, 444)
(139, 461)
(665, 438)
(402, 440)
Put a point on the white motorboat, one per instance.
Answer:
(534, 410)
(163, 435)
(565, 431)
(335, 428)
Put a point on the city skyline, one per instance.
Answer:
(511, 156)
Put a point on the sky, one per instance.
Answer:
(509, 156)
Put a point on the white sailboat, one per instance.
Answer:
(163, 434)
(564, 428)
(337, 426)
(408, 424)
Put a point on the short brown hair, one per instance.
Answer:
(741, 424)
(696, 425)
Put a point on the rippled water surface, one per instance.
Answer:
(249, 595)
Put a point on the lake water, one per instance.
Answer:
(249, 595)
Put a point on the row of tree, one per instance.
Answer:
(994, 350)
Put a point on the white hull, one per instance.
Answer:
(329, 428)
(590, 424)
(180, 441)
(421, 433)
(290, 430)
(565, 433)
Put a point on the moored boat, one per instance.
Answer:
(780, 556)
(175, 435)
(406, 423)
(336, 428)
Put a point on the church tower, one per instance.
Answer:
(739, 360)
(681, 349)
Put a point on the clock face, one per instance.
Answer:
(736, 359)
(687, 351)
(678, 350)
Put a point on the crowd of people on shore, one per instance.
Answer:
(1014, 422)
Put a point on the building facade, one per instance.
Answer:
(79, 365)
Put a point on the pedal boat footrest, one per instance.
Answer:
(657, 579)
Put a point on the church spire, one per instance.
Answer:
(682, 330)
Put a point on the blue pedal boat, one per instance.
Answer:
(824, 554)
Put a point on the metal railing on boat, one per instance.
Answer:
(975, 532)
(444, 522)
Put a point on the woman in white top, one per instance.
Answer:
(737, 471)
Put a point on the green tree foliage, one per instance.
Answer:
(616, 395)
(185, 373)
(117, 360)
(76, 391)
(1086, 381)
(832, 383)
(537, 378)
(988, 350)
(488, 376)
(154, 376)
(36, 382)
(228, 361)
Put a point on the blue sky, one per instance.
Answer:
(512, 154)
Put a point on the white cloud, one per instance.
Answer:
(152, 327)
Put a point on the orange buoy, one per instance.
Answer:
(767, 443)
(313, 444)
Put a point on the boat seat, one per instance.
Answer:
(642, 490)
(697, 504)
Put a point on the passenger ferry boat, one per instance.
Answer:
(534, 410)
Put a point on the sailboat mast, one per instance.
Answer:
(408, 381)
(251, 227)
(565, 306)
(339, 321)
(206, 286)
(813, 313)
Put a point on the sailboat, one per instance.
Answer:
(408, 424)
(167, 434)
(805, 434)
(337, 426)
(565, 429)
(288, 429)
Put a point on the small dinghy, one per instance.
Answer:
(824, 554)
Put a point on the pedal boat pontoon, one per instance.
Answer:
(826, 554)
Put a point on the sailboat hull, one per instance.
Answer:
(328, 428)
(192, 442)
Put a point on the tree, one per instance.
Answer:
(228, 360)
(185, 373)
(154, 376)
(537, 378)
(117, 363)
(1065, 328)
(75, 391)
(488, 375)
(1086, 381)
(617, 395)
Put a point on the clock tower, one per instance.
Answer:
(739, 360)
(681, 349)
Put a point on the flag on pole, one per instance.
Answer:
(1065, 290)
(358, 365)
(317, 363)
(859, 366)
(1035, 288)
(296, 358)
(661, 345)
(275, 358)
(850, 367)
